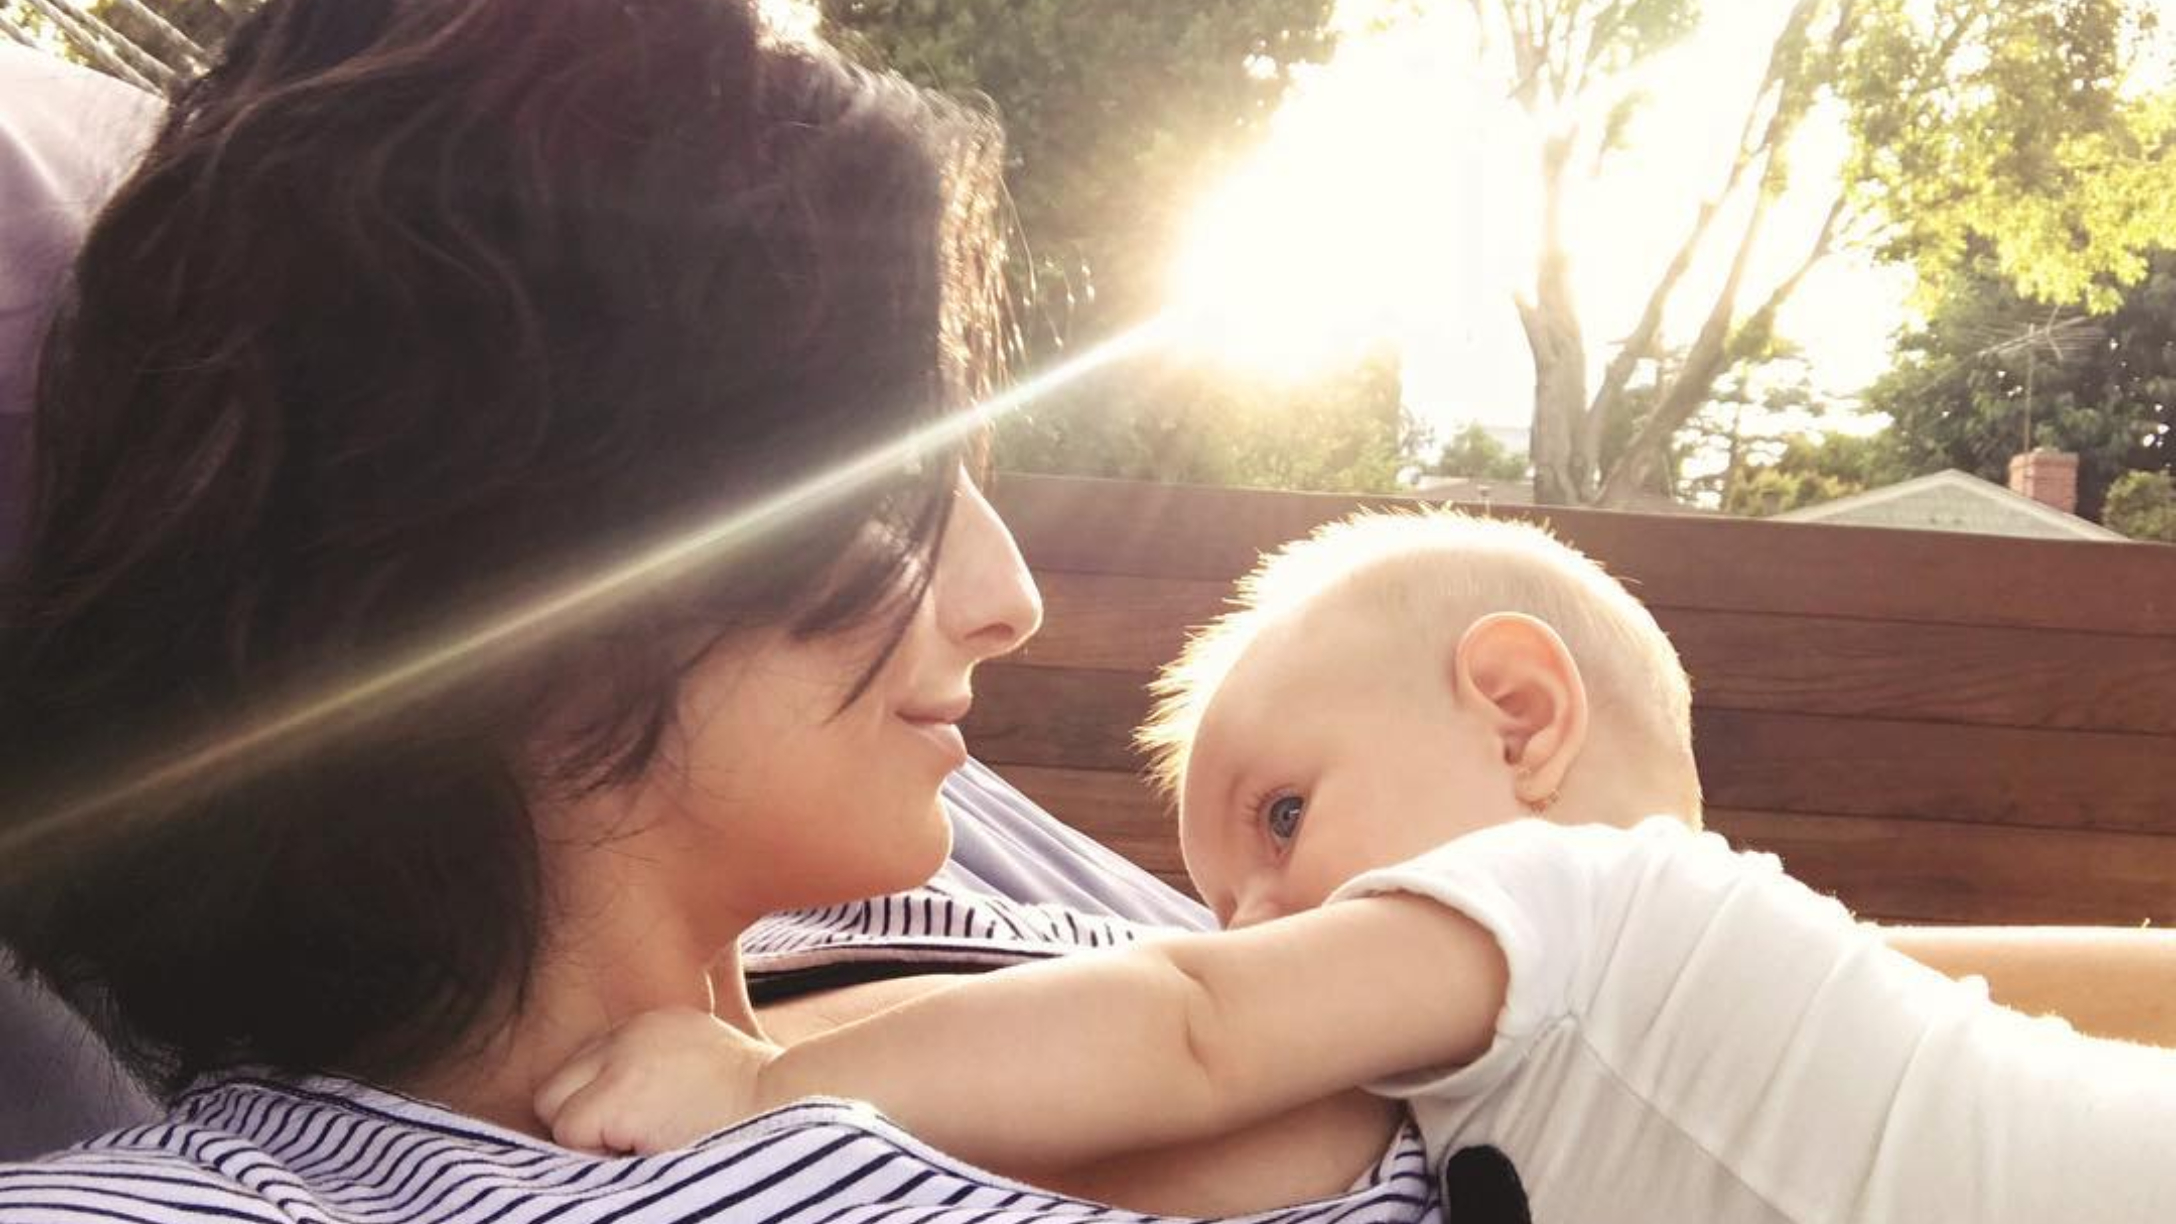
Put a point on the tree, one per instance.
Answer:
(1343, 432)
(1761, 429)
(2005, 118)
(2033, 156)
(1812, 468)
(1118, 116)
(1475, 453)
(2142, 505)
(1992, 373)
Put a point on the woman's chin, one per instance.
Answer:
(908, 852)
(923, 852)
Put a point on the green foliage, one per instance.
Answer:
(1958, 393)
(2103, 387)
(2004, 138)
(1812, 469)
(1474, 453)
(1757, 448)
(2142, 505)
(1119, 115)
(2006, 130)
(1345, 432)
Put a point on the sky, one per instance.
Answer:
(1418, 182)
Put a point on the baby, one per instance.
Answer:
(1396, 680)
(1650, 1026)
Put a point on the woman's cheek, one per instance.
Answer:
(870, 821)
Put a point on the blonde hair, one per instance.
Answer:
(1439, 571)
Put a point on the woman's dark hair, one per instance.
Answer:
(410, 305)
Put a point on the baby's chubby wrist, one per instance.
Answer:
(773, 1079)
(658, 1081)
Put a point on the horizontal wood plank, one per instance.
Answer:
(1117, 809)
(1171, 531)
(1082, 719)
(1885, 870)
(1057, 717)
(1937, 871)
(1988, 676)
(1968, 674)
(1933, 771)
(1118, 622)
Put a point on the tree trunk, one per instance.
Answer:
(1641, 464)
(1560, 400)
(1563, 467)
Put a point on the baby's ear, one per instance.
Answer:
(1518, 676)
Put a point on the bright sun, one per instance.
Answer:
(1383, 184)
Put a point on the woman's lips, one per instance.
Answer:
(938, 726)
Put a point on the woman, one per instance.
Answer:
(412, 305)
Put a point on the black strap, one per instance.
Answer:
(779, 985)
(1481, 1187)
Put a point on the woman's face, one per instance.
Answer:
(788, 801)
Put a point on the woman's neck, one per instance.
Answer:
(622, 941)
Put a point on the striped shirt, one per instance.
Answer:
(328, 1150)
(939, 924)
(249, 1148)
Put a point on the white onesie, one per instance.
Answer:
(1691, 1035)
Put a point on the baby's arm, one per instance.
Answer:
(1072, 1060)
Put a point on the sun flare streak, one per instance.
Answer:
(293, 727)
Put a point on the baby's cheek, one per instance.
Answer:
(1319, 875)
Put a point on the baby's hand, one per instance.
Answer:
(660, 1081)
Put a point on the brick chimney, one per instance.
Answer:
(2048, 477)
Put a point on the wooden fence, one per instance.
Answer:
(1936, 727)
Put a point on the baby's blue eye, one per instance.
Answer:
(1282, 816)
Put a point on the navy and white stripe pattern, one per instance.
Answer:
(329, 1150)
(937, 923)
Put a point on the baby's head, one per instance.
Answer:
(1396, 680)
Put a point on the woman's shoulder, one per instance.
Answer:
(246, 1148)
(169, 1171)
(328, 1150)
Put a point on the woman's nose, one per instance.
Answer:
(985, 598)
